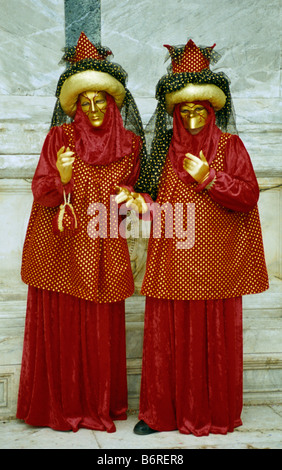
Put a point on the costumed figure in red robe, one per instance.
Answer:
(205, 252)
(75, 258)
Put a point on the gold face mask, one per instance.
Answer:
(94, 105)
(194, 117)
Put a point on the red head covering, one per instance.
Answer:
(105, 144)
(183, 142)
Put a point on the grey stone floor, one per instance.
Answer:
(262, 429)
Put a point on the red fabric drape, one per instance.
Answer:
(236, 187)
(47, 187)
(183, 142)
(192, 366)
(105, 144)
(223, 253)
(74, 363)
(74, 358)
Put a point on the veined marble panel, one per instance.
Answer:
(26, 122)
(270, 209)
(15, 207)
(31, 41)
(248, 34)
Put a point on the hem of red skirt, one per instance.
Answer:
(210, 429)
(160, 428)
(204, 431)
(74, 428)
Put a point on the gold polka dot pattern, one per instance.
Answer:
(85, 265)
(190, 60)
(86, 50)
(227, 258)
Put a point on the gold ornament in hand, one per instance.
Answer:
(123, 194)
(133, 201)
(137, 202)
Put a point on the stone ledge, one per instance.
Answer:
(23, 166)
(259, 361)
(263, 361)
(267, 397)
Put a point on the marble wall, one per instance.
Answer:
(248, 35)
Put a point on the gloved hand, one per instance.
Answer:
(64, 164)
(138, 201)
(134, 201)
(123, 194)
(197, 167)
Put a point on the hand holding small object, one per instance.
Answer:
(133, 201)
(64, 163)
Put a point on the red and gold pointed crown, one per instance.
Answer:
(193, 59)
(93, 76)
(188, 59)
(86, 50)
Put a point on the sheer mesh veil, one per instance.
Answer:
(159, 127)
(129, 111)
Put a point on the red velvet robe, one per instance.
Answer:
(192, 367)
(211, 245)
(74, 358)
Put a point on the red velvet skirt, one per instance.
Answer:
(74, 363)
(192, 371)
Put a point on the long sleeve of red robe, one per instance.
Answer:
(235, 187)
(47, 187)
